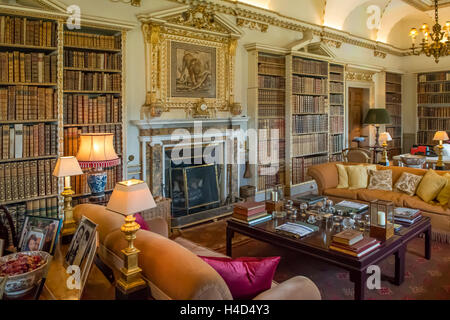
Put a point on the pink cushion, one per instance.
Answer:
(245, 277)
(141, 222)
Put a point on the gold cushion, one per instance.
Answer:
(430, 186)
(380, 180)
(342, 177)
(358, 177)
(408, 183)
(444, 195)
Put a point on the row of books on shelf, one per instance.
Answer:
(271, 82)
(309, 144)
(80, 39)
(309, 123)
(308, 104)
(395, 132)
(393, 78)
(396, 120)
(336, 143)
(337, 77)
(300, 167)
(28, 103)
(337, 87)
(82, 109)
(336, 99)
(273, 70)
(250, 213)
(425, 137)
(271, 125)
(268, 149)
(433, 112)
(433, 98)
(394, 109)
(25, 31)
(336, 68)
(27, 179)
(267, 180)
(271, 59)
(393, 87)
(271, 96)
(71, 137)
(92, 81)
(336, 157)
(80, 186)
(393, 98)
(433, 87)
(434, 124)
(353, 243)
(270, 110)
(92, 60)
(336, 110)
(26, 141)
(47, 207)
(309, 85)
(20, 67)
(300, 65)
(336, 124)
(439, 76)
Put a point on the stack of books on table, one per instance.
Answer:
(350, 206)
(251, 212)
(353, 243)
(406, 216)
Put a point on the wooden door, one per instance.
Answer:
(355, 110)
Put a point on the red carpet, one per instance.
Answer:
(424, 279)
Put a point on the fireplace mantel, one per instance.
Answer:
(188, 123)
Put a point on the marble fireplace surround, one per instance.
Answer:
(155, 137)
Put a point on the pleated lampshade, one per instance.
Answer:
(96, 150)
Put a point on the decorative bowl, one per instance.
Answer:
(21, 284)
(413, 160)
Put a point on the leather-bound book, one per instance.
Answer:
(11, 103)
(46, 62)
(54, 205)
(34, 67)
(36, 140)
(18, 141)
(42, 208)
(26, 94)
(54, 179)
(3, 104)
(40, 67)
(14, 182)
(19, 102)
(54, 139)
(16, 56)
(41, 139)
(54, 68)
(48, 176)
(249, 208)
(8, 191)
(35, 210)
(22, 67)
(41, 178)
(10, 67)
(12, 136)
(47, 139)
(41, 103)
(49, 103)
(2, 183)
(27, 179)
(20, 180)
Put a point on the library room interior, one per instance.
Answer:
(224, 150)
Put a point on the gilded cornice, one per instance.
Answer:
(358, 76)
(266, 16)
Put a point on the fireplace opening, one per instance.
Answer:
(192, 185)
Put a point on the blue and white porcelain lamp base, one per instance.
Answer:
(97, 182)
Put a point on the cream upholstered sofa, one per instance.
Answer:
(172, 268)
(326, 177)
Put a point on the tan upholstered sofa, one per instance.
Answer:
(172, 268)
(326, 177)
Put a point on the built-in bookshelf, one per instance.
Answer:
(29, 126)
(337, 111)
(433, 109)
(309, 100)
(394, 107)
(270, 115)
(93, 95)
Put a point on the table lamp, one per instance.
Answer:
(96, 151)
(130, 197)
(67, 167)
(377, 117)
(384, 138)
(440, 136)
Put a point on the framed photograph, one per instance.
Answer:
(80, 244)
(33, 228)
(192, 71)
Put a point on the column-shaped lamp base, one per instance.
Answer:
(69, 224)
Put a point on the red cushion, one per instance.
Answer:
(245, 277)
(141, 222)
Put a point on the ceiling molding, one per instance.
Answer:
(426, 5)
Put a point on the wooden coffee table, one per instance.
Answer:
(316, 245)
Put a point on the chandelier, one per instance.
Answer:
(439, 44)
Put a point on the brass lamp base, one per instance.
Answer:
(385, 159)
(69, 224)
(440, 163)
(130, 280)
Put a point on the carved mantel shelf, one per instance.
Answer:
(188, 123)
